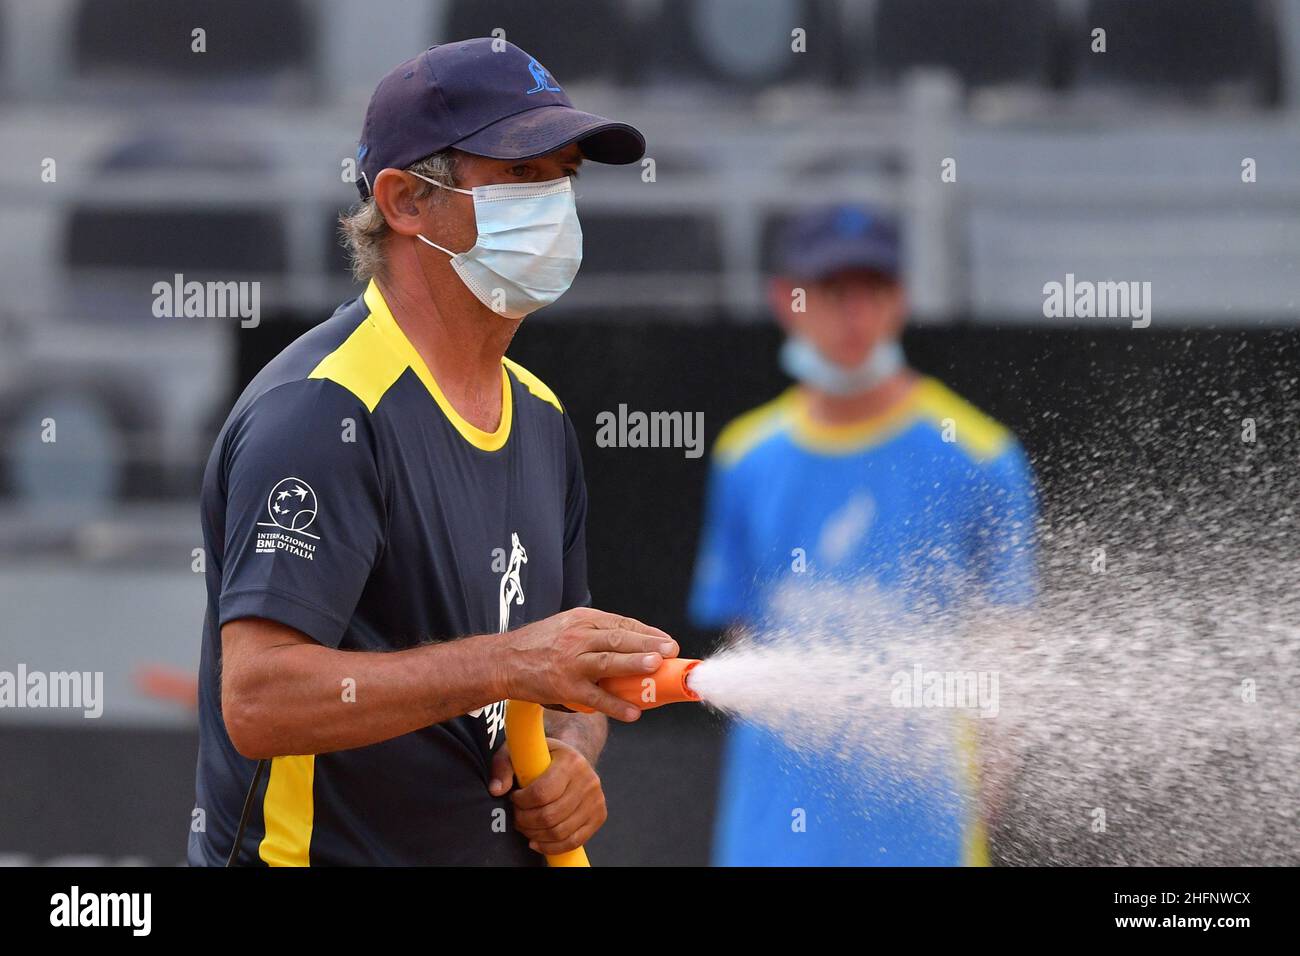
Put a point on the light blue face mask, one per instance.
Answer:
(529, 245)
(803, 362)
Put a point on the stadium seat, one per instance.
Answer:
(175, 149)
(986, 42)
(742, 44)
(1184, 46)
(177, 236)
(249, 42)
(167, 240)
(576, 40)
(661, 242)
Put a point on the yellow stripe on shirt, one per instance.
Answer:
(979, 435)
(376, 354)
(743, 434)
(289, 811)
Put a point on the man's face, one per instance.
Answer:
(451, 214)
(847, 314)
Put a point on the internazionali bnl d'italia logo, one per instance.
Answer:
(291, 507)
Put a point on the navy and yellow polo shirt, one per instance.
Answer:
(346, 498)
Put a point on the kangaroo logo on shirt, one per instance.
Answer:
(512, 589)
(510, 593)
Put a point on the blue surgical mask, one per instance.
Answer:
(529, 245)
(802, 361)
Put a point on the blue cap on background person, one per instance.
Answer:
(821, 242)
(486, 97)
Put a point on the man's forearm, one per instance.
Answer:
(303, 698)
(585, 733)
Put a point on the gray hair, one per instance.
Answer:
(363, 229)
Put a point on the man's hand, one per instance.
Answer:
(560, 660)
(561, 809)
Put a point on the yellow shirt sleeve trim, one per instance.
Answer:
(742, 434)
(534, 384)
(977, 433)
(363, 364)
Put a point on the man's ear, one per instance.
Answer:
(394, 192)
(784, 296)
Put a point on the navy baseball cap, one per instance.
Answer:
(817, 244)
(486, 97)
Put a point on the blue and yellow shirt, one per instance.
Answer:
(931, 492)
(346, 498)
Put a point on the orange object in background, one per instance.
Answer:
(170, 684)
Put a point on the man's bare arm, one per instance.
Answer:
(585, 733)
(283, 693)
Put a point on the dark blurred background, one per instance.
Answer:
(232, 165)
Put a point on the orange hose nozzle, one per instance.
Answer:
(667, 685)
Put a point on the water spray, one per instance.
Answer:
(1164, 701)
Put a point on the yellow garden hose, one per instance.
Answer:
(526, 732)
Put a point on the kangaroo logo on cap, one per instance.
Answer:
(540, 75)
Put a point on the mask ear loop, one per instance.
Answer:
(434, 182)
(436, 246)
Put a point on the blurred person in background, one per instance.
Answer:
(878, 474)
